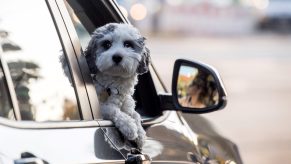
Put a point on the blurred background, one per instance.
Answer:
(249, 42)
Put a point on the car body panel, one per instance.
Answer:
(167, 141)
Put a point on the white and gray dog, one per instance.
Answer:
(116, 54)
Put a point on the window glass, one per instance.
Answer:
(82, 33)
(32, 51)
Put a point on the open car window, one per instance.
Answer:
(85, 21)
(32, 50)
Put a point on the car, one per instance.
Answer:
(46, 118)
(276, 16)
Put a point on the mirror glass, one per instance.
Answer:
(196, 88)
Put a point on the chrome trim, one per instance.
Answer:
(72, 124)
(53, 124)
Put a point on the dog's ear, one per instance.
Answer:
(65, 66)
(144, 62)
(90, 54)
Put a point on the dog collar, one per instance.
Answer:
(112, 91)
(106, 91)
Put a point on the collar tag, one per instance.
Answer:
(103, 96)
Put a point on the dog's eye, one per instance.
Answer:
(106, 44)
(128, 44)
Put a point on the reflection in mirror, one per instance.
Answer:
(196, 88)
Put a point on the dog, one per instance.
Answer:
(116, 55)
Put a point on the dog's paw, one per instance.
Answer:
(131, 132)
(129, 129)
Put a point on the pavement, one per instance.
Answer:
(256, 70)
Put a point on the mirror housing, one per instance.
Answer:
(197, 87)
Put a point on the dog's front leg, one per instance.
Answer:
(122, 121)
(129, 108)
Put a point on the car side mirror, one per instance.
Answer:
(197, 87)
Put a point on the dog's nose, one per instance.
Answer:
(117, 58)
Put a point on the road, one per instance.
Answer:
(256, 70)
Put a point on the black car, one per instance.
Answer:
(45, 118)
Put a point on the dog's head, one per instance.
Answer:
(117, 50)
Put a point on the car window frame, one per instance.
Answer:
(85, 108)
